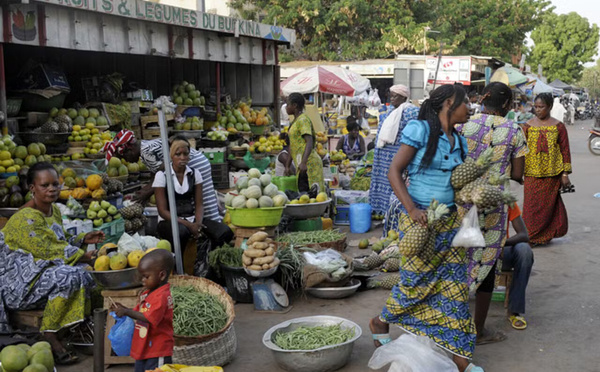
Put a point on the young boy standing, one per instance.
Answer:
(152, 343)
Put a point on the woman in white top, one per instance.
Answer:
(188, 195)
(284, 164)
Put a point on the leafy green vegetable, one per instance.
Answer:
(225, 255)
(310, 237)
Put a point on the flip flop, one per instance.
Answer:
(517, 322)
(473, 368)
(65, 358)
(382, 338)
(493, 337)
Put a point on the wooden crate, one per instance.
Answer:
(243, 233)
(29, 318)
(148, 119)
(128, 298)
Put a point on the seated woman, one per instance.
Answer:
(41, 266)
(352, 143)
(188, 195)
(284, 164)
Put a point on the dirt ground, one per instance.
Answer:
(562, 299)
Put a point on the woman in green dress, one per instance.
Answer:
(309, 169)
(43, 267)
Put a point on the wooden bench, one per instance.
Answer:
(506, 278)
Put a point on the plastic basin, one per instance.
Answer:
(256, 217)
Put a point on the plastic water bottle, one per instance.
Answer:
(360, 218)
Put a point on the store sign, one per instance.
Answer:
(452, 70)
(154, 12)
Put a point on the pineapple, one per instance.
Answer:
(418, 235)
(428, 250)
(49, 127)
(64, 123)
(488, 197)
(465, 195)
(373, 261)
(383, 281)
(471, 169)
(391, 265)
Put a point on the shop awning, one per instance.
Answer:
(326, 79)
(560, 85)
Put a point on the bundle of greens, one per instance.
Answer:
(225, 255)
(311, 237)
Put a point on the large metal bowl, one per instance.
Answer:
(335, 292)
(325, 359)
(117, 279)
(306, 210)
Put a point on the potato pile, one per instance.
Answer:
(260, 254)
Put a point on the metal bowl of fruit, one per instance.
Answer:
(117, 279)
(307, 210)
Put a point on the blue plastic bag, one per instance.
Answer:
(120, 334)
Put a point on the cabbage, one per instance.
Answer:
(252, 203)
(265, 179)
(254, 173)
(253, 192)
(239, 201)
(265, 202)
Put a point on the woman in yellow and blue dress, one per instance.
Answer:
(432, 296)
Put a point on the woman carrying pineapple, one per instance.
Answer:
(431, 298)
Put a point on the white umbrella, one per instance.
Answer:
(326, 79)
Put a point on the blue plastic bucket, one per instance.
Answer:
(360, 218)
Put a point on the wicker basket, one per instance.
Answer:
(216, 352)
(206, 286)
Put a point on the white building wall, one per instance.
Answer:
(220, 7)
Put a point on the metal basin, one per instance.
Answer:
(325, 359)
(306, 210)
(335, 292)
(117, 279)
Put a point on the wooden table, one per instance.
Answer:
(128, 298)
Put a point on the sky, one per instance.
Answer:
(589, 9)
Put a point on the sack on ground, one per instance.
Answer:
(410, 353)
(469, 235)
(120, 334)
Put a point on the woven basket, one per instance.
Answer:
(205, 286)
(216, 352)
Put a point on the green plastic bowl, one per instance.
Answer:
(257, 217)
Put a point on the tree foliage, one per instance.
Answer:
(361, 29)
(563, 43)
(590, 79)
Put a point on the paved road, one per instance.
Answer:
(563, 306)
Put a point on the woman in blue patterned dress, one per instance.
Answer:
(391, 126)
(431, 298)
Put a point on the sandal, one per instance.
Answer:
(517, 322)
(382, 338)
(65, 358)
(490, 338)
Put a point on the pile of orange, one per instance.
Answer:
(253, 116)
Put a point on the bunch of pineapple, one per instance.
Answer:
(420, 240)
(474, 185)
(383, 281)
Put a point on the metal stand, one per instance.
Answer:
(99, 320)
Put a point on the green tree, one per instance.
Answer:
(590, 79)
(482, 27)
(563, 43)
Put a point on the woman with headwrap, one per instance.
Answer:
(188, 195)
(387, 145)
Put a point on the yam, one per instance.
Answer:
(274, 246)
(274, 263)
(260, 245)
(246, 260)
(265, 267)
(270, 251)
(257, 237)
(263, 260)
(255, 267)
(268, 240)
(254, 253)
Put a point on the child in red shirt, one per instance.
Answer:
(152, 343)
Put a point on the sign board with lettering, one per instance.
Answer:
(452, 70)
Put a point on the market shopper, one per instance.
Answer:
(547, 169)
(431, 298)
(152, 342)
(41, 266)
(309, 166)
(387, 143)
(187, 183)
(284, 165)
(352, 144)
(150, 152)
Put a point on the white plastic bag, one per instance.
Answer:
(374, 100)
(469, 235)
(128, 244)
(410, 353)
